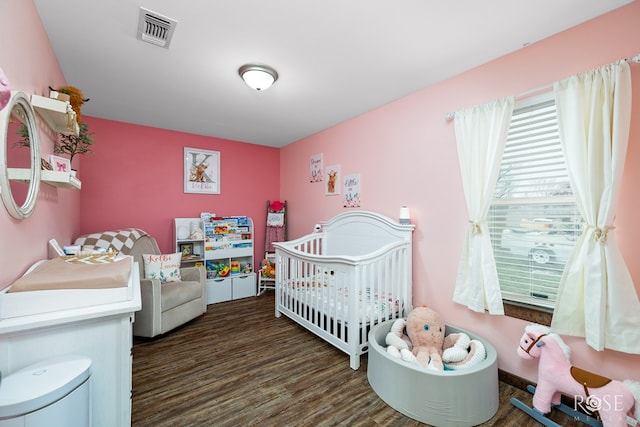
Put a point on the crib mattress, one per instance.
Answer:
(458, 398)
(332, 301)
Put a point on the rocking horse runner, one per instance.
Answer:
(608, 400)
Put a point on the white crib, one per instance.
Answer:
(351, 275)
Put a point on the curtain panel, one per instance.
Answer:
(481, 134)
(596, 297)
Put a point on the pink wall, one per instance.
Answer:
(31, 66)
(406, 155)
(133, 178)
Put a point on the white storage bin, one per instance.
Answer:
(54, 392)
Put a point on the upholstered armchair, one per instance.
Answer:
(165, 306)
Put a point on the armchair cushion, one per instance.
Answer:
(176, 293)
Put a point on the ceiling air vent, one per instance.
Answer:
(155, 29)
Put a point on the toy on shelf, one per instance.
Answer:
(224, 270)
(235, 267)
(216, 269)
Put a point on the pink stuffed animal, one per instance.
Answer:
(425, 329)
(425, 343)
(422, 343)
(5, 90)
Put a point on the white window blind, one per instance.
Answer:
(533, 219)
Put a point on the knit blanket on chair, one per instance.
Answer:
(116, 240)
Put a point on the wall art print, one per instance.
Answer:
(201, 171)
(315, 168)
(352, 191)
(332, 186)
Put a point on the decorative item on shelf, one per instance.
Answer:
(76, 99)
(45, 165)
(72, 120)
(71, 145)
(195, 232)
(59, 96)
(74, 145)
(60, 164)
(186, 249)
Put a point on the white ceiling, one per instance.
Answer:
(336, 59)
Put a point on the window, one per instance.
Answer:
(533, 219)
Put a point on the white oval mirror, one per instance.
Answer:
(19, 157)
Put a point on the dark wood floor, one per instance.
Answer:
(238, 365)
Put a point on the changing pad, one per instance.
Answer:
(56, 286)
(59, 274)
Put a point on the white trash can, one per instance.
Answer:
(54, 392)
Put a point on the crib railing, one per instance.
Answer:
(339, 298)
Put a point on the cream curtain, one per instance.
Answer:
(596, 298)
(481, 134)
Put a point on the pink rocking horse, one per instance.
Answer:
(608, 400)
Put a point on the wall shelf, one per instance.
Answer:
(60, 179)
(58, 114)
(53, 178)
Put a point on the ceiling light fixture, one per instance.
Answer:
(258, 77)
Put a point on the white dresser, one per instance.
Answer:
(100, 331)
